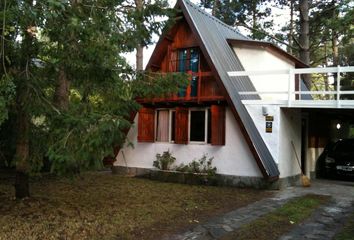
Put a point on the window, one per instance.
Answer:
(165, 125)
(198, 126)
(207, 125)
(172, 125)
(183, 125)
(162, 125)
(188, 60)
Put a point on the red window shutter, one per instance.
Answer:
(146, 125)
(217, 125)
(181, 130)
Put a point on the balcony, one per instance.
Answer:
(202, 87)
(331, 87)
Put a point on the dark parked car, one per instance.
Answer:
(337, 159)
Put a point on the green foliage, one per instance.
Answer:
(252, 14)
(328, 20)
(85, 41)
(156, 84)
(7, 140)
(202, 165)
(7, 93)
(164, 161)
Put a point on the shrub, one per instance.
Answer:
(202, 165)
(164, 161)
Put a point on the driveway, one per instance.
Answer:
(323, 224)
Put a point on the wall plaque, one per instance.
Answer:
(269, 127)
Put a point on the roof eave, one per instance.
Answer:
(298, 62)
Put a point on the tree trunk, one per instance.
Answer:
(334, 40)
(22, 148)
(62, 88)
(334, 36)
(335, 48)
(139, 58)
(215, 7)
(140, 48)
(61, 94)
(305, 38)
(21, 157)
(291, 27)
(254, 20)
(326, 83)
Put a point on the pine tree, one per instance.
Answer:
(74, 91)
(246, 13)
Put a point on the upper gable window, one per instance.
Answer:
(188, 61)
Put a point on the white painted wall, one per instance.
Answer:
(235, 158)
(286, 128)
(290, 130)
(270, 139)
(261, 59)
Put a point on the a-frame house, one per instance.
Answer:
(207, 117)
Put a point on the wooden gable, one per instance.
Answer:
(165, 59)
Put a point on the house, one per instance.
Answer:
(219, 114)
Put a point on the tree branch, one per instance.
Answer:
(297, 42)
(267, 34)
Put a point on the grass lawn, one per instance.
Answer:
(347, 232)
(274, 224)
(105, 206)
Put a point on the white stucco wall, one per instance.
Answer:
(290, 131)
(287, 122)
(286, 128)
(261, 59)
(270, 139)
(235, 158)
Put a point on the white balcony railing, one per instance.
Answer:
(328, 92)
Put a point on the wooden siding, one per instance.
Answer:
(181, 130)
(146, 125)
(217, 125)
(179, 37)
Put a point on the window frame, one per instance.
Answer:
(206, 112)
(169, 124)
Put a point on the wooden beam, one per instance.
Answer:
(168, 38)
(155, 66)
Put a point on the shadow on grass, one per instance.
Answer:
(106, 206)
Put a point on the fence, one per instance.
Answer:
(323, 93)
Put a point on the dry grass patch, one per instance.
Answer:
(105, 206)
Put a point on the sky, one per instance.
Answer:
(280, 17)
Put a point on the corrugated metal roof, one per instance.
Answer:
(214, 34)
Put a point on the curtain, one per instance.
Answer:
(162, 126)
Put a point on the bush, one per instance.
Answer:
(164, 161)
(202, 165)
